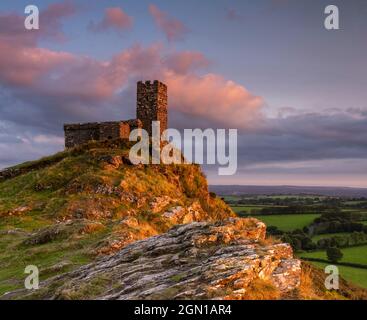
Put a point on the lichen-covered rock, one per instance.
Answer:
(200, 260)
(159, 203)
(16, 212)
(287, 275)
(183, 215)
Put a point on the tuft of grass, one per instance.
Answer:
(177, 277)
(260, 289)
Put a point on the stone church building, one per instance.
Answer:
(151, 105)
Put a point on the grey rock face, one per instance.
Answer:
(200, 260)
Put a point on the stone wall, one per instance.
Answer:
(77, 134)
(152, 104)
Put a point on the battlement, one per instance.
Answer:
(151, 85)
(152, 101)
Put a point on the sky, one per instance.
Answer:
(295, 91)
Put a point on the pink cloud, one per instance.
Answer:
(185, 61)
(51, 17)
(66, 84)
(114, 18)
(82, 81)
(23, 66)
(172, 28)
(214, 98)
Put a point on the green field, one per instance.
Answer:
(230, 198)
(355, 275)
(246, 209)
(329, 235)
(353, 255)
(288, 222)
(291, 222)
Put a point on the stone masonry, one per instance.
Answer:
(151, 106)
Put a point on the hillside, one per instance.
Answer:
(80, 214)
(64, 210)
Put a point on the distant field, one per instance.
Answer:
(288, 222)
(349, 210)
(285, 196)
(355, 275)
(329, 235)
(275, 197)
(246, 209)
(353, 255)
(230, 198)
(354, 202)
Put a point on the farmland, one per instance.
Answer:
(298, 220)
(352, 255)
(355, 275)
(288, 222)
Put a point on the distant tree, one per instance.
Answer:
(307, 243)
(274, 231)
(334, 254)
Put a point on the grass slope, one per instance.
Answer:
(62, 211)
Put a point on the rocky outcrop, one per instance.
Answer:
(200, 260)
(15, 212)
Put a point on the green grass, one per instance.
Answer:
(247, 209)
(329, 235)
(356, 276)
(253, 207)
(54, 189)
(14, 257)
(353, 255)
(288, 222)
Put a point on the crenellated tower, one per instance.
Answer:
(152, 104)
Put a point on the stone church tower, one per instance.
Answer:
(152, 104)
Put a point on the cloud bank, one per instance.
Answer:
(40, 89)
(114, 19)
